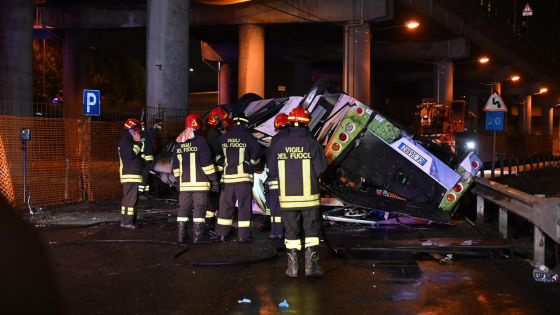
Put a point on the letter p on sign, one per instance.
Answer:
(92, 102)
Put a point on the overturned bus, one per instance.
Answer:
(374, 164)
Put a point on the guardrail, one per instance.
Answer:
(518, 166)
(543, 213)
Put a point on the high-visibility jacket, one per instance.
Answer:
(192, 164)
(130, 162)
(148, 137)
(272, 179)
(241, 153)
(300, 160)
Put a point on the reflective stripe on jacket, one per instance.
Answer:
(241, 153)
(130, 162)
(192, 164)
(299, 161)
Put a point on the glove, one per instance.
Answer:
(214, 186)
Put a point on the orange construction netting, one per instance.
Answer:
(68, 160)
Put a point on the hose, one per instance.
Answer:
(55, 244)
(271, 256)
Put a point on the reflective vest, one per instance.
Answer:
(299, 161)
(241, 153)
(192, 164)
(148, 140)
(130, 162)
(272, 181)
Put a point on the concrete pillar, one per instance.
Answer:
(527, 114)
(251, 60)
(547, 117)
(498, 87)
(224, 84)
(16, 57)
(74, 63)
(301, 77)
(167, 58)
(357, 62)
(443, 82)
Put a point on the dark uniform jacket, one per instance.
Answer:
(272, 181)
(148, 137)
(130, 162)
(241, 153)
(300, 160)
(192, 164)
(213, 136)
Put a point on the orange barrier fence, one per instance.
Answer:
(68, 160)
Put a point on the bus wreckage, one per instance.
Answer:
(376, 168)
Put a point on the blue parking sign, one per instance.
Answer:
(92, 102)
(495, 121)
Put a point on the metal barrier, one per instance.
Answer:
(519, 166)
(543, 213)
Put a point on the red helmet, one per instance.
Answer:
(132, 123)
(280, 121)
(216, 115)
(299, 115)
(192, 121)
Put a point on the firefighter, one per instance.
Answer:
(281, 125)
(148, 136)
(193, 166)
(218, 122)
(241, 153)
(130, 150)
(300, 160)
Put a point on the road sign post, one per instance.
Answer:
(495, 109)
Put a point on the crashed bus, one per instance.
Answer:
(374, 165)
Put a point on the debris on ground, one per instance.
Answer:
(444, 260)
(543, 274)
(284, 304)
(244, 301)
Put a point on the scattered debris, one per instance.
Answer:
(244, 301)
(543, 274)
(444, 260)
(284, 304)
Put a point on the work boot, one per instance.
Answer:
(312, 268)
(182, 235)
(293, 266)
(199, 233)
(211, 223)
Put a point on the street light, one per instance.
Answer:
(483, 60)
(543, 90)
(412, 24)
(514, 77)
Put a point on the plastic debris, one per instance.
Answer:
(244, 301)
(543, 274)
(284, 304)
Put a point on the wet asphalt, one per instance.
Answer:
(153, 275)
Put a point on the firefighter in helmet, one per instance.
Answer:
(130, 151)
(218, 122)
(241, 153)
(281, 125)
(300, 160)
(148, 136)
(193, 166)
